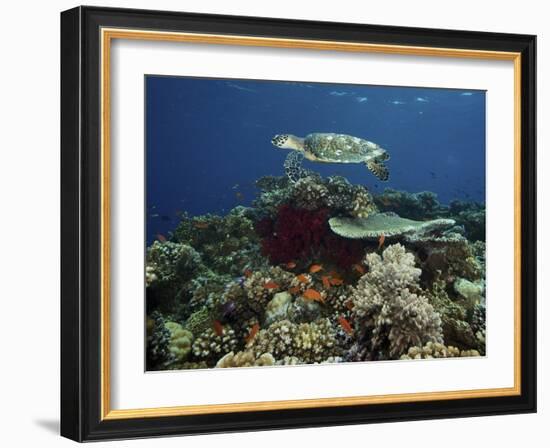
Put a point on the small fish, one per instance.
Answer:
(335, 93)
(247, 273)
(381, 241)
(155, 215)
(218, 327)
(294, 290)
(397, 102)
(253, 332)
(161, 238)
(315, 268)
(239, 195)
(271, 285)
(302, 278)
(312, 294)
(290, 265)
(201, 225)
(466, 94)
(234, 187)
(345, 325)
(422, 100)
(336, 281)
(349, 305)
(326, 281)
(361, 99)
(359, 268)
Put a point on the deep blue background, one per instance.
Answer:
(208, 140)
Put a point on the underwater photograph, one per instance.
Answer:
(294, 223)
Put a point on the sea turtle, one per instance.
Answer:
(335, 148)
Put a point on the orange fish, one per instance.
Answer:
(381, 241)
(271, 285)
(291, 265)
(326, 281)
(161, 238)
(253, 332)
(349, 305)
(302, 278)
(311, 294)
(336, 281)
(294, 290)
(345, 325)
(315, 268)
(201, 225)
(359, 268)
(247, 273)
(218, 327)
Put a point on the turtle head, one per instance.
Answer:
(288, 141)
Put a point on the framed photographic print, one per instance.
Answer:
(275, 224)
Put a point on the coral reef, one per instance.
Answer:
(389, 311)
(318, 270)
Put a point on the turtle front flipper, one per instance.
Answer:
(293, 166)
(378, 169)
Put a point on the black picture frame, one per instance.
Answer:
(81, 224)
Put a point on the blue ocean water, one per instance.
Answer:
(209, 140)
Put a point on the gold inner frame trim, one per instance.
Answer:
(107, 35)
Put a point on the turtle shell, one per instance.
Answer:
(341, 148)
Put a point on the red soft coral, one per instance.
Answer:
(303, 235)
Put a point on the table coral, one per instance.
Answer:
(387, 224)
(389, 306)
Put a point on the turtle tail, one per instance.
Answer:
(378, 169)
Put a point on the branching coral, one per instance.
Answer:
(389, 307)
(420, 205)
(309, 194)
(308, 342)
(171, 262)
(437, 350)
(209, 346)
(260, 287)
(362, 205)
(158, 342)
(226, 243)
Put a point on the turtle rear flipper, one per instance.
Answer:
(378, 169)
